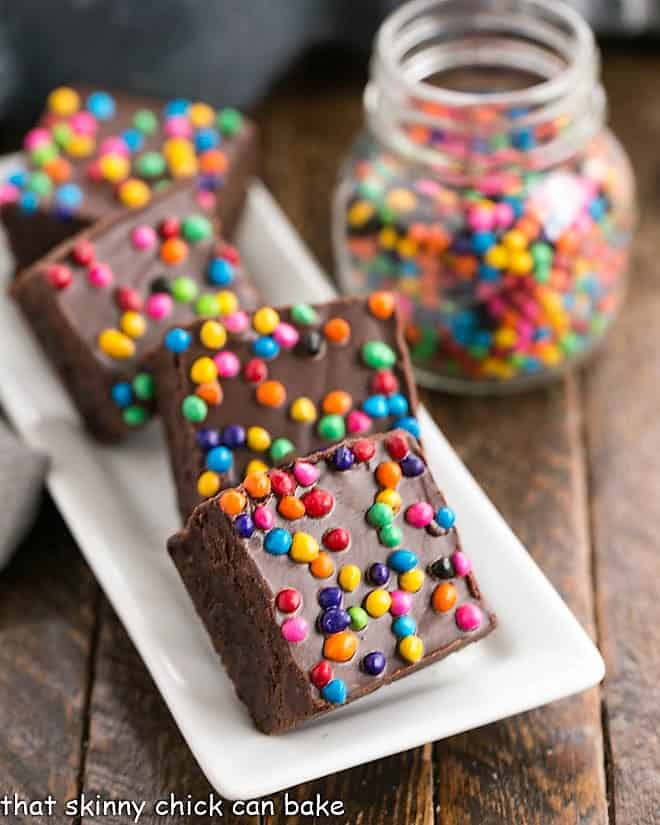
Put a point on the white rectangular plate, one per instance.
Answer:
(119, 505)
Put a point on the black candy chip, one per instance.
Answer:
(310, 343)
(442, 568)
(159, 284)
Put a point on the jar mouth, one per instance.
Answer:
(528, 74)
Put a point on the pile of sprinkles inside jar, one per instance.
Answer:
(508, 272)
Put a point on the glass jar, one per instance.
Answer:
(487, 191)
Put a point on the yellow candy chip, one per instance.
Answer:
(208, 484)
(412, 580)
(80, 146)
(505, 337)
(402, 200)
(359, 213)
(183, 167)
(391, 498)
(411, 648)
(303, 409)
(265, 320)
(258, 439)
(497, 256)
(349, 577)
(407, 248)
(514, 239)
(203, 370)
(63, 101)
(521, 262)
(178, 148)
(213, 335)
(200, 115)
(134, 193)
(227, 302)
(388, 238)
(256, 466)
(304, 548)
(377, 603)
(115, 344)
(114, 167)
(133, 324)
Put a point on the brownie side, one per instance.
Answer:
(235, 604)
(257, 578)
(31, 237)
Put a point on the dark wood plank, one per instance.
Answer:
(622, 400)
(135, 752)
(48, 601)
(543, 767)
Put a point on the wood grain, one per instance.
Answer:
(135, 751)
(544, 767)
(47, 610)
(623, 434)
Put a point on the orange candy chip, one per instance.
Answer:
(291, 508)
(388, 474)
(210, 392)
(271, 394)
(232, 502)
(322, 567)
(337, 402)
(340, 647)
(173, 250)
(444, 597)
(257, 484)
(213, 162)
(381, 304)
(337, 330)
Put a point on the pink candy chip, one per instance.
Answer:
(228, 364)
(401, 602)
(143, 237)
(358, 421)
(295, 630)
(99, 275)
(236, 321)
(263, 518)
(286, 335)
(34, 138)
(305, 473)
(178, 126)
(462, 564)
(9, 193)
(158, 306)
(468, 617)
(419, 514)
(113, 145)
(83, 123)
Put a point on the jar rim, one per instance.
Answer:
(584, 58)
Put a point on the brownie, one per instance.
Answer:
(323, 580)
(100, 303)
(293, 380)
(95, 152)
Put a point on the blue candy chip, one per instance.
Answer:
(408, 423)
(397, 405)
(376, 406)
(219, 459)
(220, 272)
(177, 106)
(18, 178)
(335, 692)
(404, 626)
(206, 139)
(122, 394)
(29, 202)
(134, 139)
(445, 517)
(69, 196)
(101, 105)
(177, 340)
(277, 541)
(266, 347)
(401, 561)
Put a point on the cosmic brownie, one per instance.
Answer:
(94, 152)
(339, 573)
(101, 302)
(285, 382)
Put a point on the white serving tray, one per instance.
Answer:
(119, 505)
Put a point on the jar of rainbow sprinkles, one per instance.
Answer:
(487, 191)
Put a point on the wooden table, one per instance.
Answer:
(576, 471)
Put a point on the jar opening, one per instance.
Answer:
(472, 86)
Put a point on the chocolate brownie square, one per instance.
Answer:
(291, 380)
(96, 152)
(323, 580)
(100, 303)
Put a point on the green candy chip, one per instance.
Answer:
(303, 314)
(229, 121)
(145, 121)
(359, 618)
(332, 427)
(207, 305)
(378, 355)
(380, 514)
(134, 416)
(40, 183)
(194, 408)
(150, 165)
(184, 289)
(280, 449)
(143, 386)
(196, 228)
(390, 535)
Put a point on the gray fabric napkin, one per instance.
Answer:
(22, 473)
